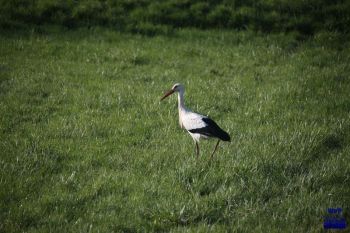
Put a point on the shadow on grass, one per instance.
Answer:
(331, 143)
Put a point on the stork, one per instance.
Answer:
(197, 125)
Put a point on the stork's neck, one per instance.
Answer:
(181, 101)
(182, 108)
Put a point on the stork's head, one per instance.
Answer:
(176, 88)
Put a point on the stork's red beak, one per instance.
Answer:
(167, 94)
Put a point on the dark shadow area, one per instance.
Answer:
(161, 17)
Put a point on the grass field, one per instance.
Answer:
(86, 145)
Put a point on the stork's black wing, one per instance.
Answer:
(212, 130)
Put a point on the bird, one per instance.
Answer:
(197, 125)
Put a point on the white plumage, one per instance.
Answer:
(192, 120)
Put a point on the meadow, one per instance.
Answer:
(161, 16)
(86, 145)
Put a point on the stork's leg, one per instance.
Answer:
(217, 144)
(197, 149)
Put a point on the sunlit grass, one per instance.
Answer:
(87, 146)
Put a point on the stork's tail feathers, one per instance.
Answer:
(212, 130)
(225, 136)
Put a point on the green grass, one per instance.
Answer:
(86, 145)
(152, 17)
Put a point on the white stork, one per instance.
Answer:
(197, 125)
